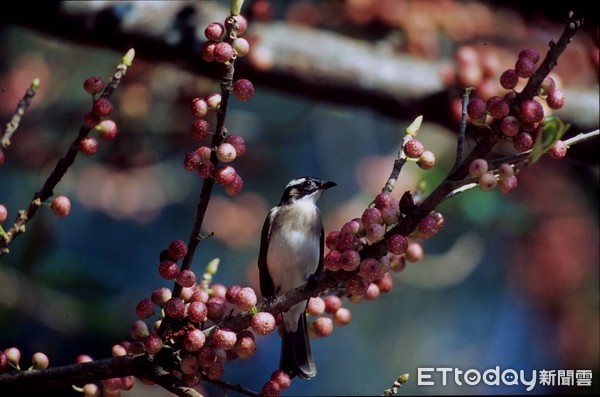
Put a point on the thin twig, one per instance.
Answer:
(460, 146)
(15, 120)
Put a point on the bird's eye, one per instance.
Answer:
(306, 184)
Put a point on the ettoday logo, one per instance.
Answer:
(471, 377)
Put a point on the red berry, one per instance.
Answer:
(226, 152)
(235, 187)
(332, 260)
(204, 152)
(531, 53)
(357, 285)
(200, 129)
(547, 86)
(161, 295)
(476, 109)
(145, 308)
(315, 306)
(509, 79)
(332, 239)
(371, 216)
(508, 185)
(282, 378)
(332, 304)
(224, 338)
(90, 119)
(242, 24)
(414, 252)
(523, 142)
(246, 299)
(177, 249)
(323, 326)
(555, 99)
(103, 107)
(175, 307)
(558, 150)
(206, 169)
(342, 316)
(186, 278)
(499, 109)
(397, 244)
(197, 311)
(524, 67)
(510, 126)
(153, 343)
(243, 89)
(88, 145)
(245, 346)
(271, 389)
(232, 292)
(168, 269)
(61, 206)
(207, 52)
(2, 156)
(216, 306)
(531, 111)
(191, 161)
(93, 85)
(350, 260)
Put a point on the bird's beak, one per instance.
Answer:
(327, 185)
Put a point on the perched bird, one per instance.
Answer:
(291, 251)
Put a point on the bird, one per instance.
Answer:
(291, 253)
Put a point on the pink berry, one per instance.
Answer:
(531, 53)
(225, 175)
(315, 306)
(223, 52)
(243, 89)
(372, 292)
(508, 185)
(106, 129)
(199, 107)
(242, 24)
(487, 181)
(414, 252)
(371, 216)
(226, 152)
(160, 296)
(510, 126)
(499, 109)
(332, 239)
(271, 389)
(224, 338)
(189, 365)
(206, 169)
(342, 316)
(397, 244)
(547, 86)
(214, 31)
(168, 270)
(370, 269)
(374, 233)
(332, 260)
(245, 345)
(350, 260)
(282, 378)
(426, 160)
(323, 326)
(246, 299)
(153, 343)
(478, 167)
(263, 323)
(61, 206)
(191, 161)
(3, 213)
(505, 171)
(357, 285)
(216, 306)
(40, 360)
(558, 150)
(332, 304)
(213, 100)
(207, 52)
(385, 283)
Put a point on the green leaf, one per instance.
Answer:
(554, 129)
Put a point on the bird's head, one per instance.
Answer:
(304, 188)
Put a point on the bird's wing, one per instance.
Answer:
(266, 283)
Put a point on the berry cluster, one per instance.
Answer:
(521, 122)
(97, 118)
(230, 146)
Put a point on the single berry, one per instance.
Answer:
(246, 299)
(232, 292)
(413, 148)
(342, 316)
(332, 239)
(372, 292)
(177, 249)
(487, 181)
(524, 67)
(478, 167)
(223, 52)
(349, 260)
(510, 126)
(213, 100)
(531, 111)
(226, 152)
(426, 160)
(40, 360)
(206, 169)
(224, 338)
(199, 107)
(357, 285)
(153, 343)
(385, 283)
(243, 89)
(214, 31)
(241, 47)
(375, 233)
(414, 252)
(555, 99)
(197, 311)
(189, 365)
(508, 185)
(88, 145)
(547, 86)
(103, 107)
(263, 323)
(191, 161)
(245, 346)
(271, 389)
(315, 306)
(523, 142)
(61, 206)
(160, 296)
(282, 378)
(3, 213)
(175, 307)
(509, 79)
(332, 304)
(558, 150)
(107, 129)
(242, 24)
(505, 171)
(216, 306)
(397, 244)
(476, 109)
(93, 85)
(323, 326)
(200, 129)
(168, 269)
(499, 109)
(186, 278)
(332, 260)
(145, 308)
(204, 152)
(531, 53)
(371, 216)
(427, 227)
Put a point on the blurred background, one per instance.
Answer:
(511, 281)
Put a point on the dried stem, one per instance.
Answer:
(15, 120)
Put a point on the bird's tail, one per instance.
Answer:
(296, 357)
